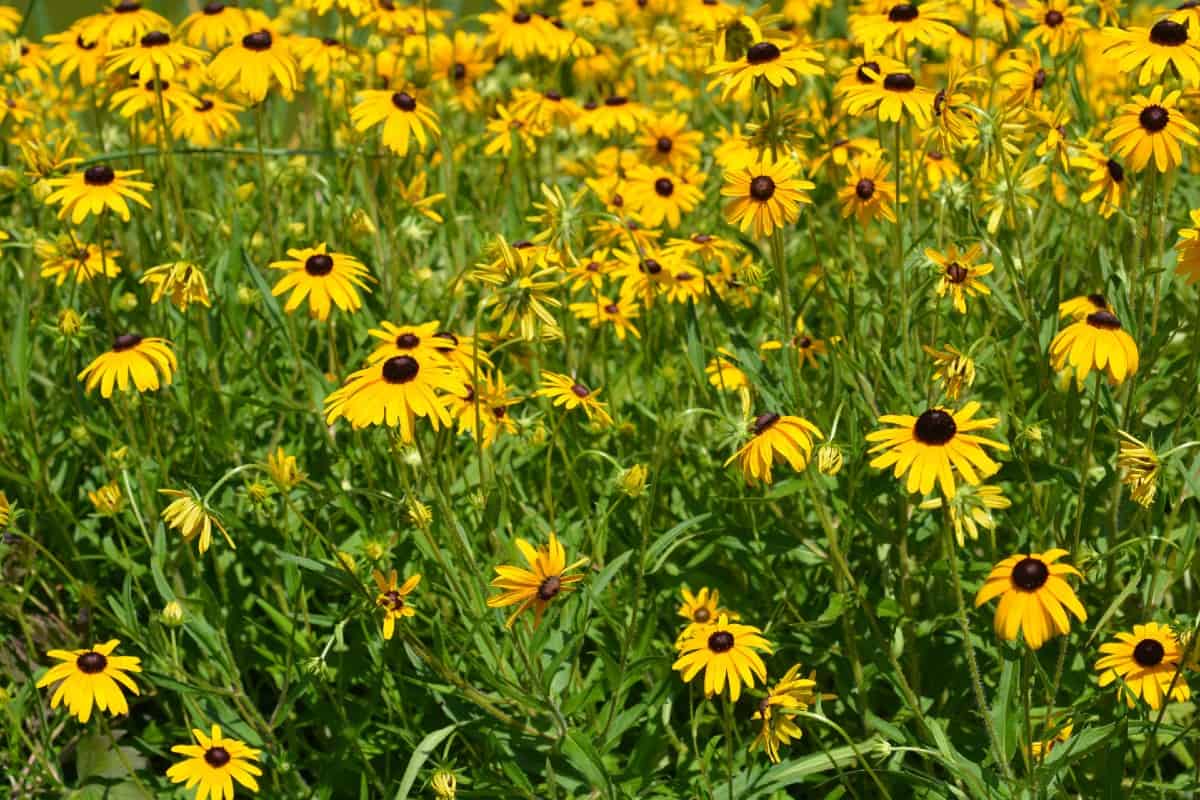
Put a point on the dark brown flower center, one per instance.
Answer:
(804, 342)
(393, 599)
(1030, 574)
(764, 422)
(127, 7)
(899, 82)
(1115, 171)
(84, 45)
(1053, 18)
(1154, 118)
(762, 188)
(651, 267)
(935, 155)
(126, 341)
(616, 100)
(720, 642)
(1169, 33)
(257, 41)
(664, 144)
(1148, 652)
(935, 427)
(521, 17)
(549, 588)
(214, 8)
(318, 265)
(449, 337)
(663, 187)
(762, 52)
(701, 238)
(400, 369)
(1105, 320)
(156, 39)
(91, 662)
(552, 95)
(404, 101)
(99, 175)
(864, 189)
(407, 341)
(592, 266)
(861, 72)
(1098, 300)
(217, 757)
(956, 272)
(612, 308)
(205, 105)
(1039, 79)
(579, 390)
(905, 12)
(701, 614)
(459, 70)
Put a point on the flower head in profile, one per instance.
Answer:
(325, 279)
(1188, 250)
(548, 577)
(107, 499)
(392, 599)
(971, 509)
(788, 697)
(723, 651)
(1105, 176)
(189, 514)
(521, 287)
(1096, 342)
(91, 677)
(1140, 468)
(563, 390)
(63, 257)
(959, 274)
(181, 281)
(931, 447)
(95, 190)
(283, 469)
(1146, 664)
(1034, 597)
(788, 437)
(147, 363)
(214, 763)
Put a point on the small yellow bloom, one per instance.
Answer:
(188, 514)
(108, 499)
(1140, 467)
(829, 459)
(633, 480)
(283, 469)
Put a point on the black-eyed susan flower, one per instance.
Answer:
(64, 258)
(866, 193)
(216, 25)
(953, 370)
(522, 288)
(765, 196)
(618, 114)
(416, 195)
(959, 274)
(77, 55)
(181, 281)
(724, 374)
(1058, 24)
(419, 341)
(777, 63)
(788, 437)
(565, 391)
(1187, 249)
(214, 763)
(1148, 665)
(666, 141)
(123, 22)
(804, 341)
(484, 411)
(902, 25)
(1105, 177)
(395, 392)
(1164, 46)
(1077, 308)
(701, 609)
(789, 696)
(1151, 127)
(462, 351)
(724, 651)
(147, 363)
(91, 677)
(403, 116)
(1034, 597)
(893, 95)
(95, 190)
(255, 64)
(1140, 468)
(205, 120)
(515, 30)
(392, 599)
(189, 514)
(155, 54)
(107, 499)
(971, 509)
(932, 446)
(1096, 342)
(548, 577)
(603, 311)
(659, 196)
(325, 279)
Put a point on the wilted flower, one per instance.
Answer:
(970, 508)
(829, 459)
(181, 281)
(188, 514)
(954, 369)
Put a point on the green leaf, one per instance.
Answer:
(658, 552)
(420, 756)
(598, 584)
(582, 754)
(97, 756)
